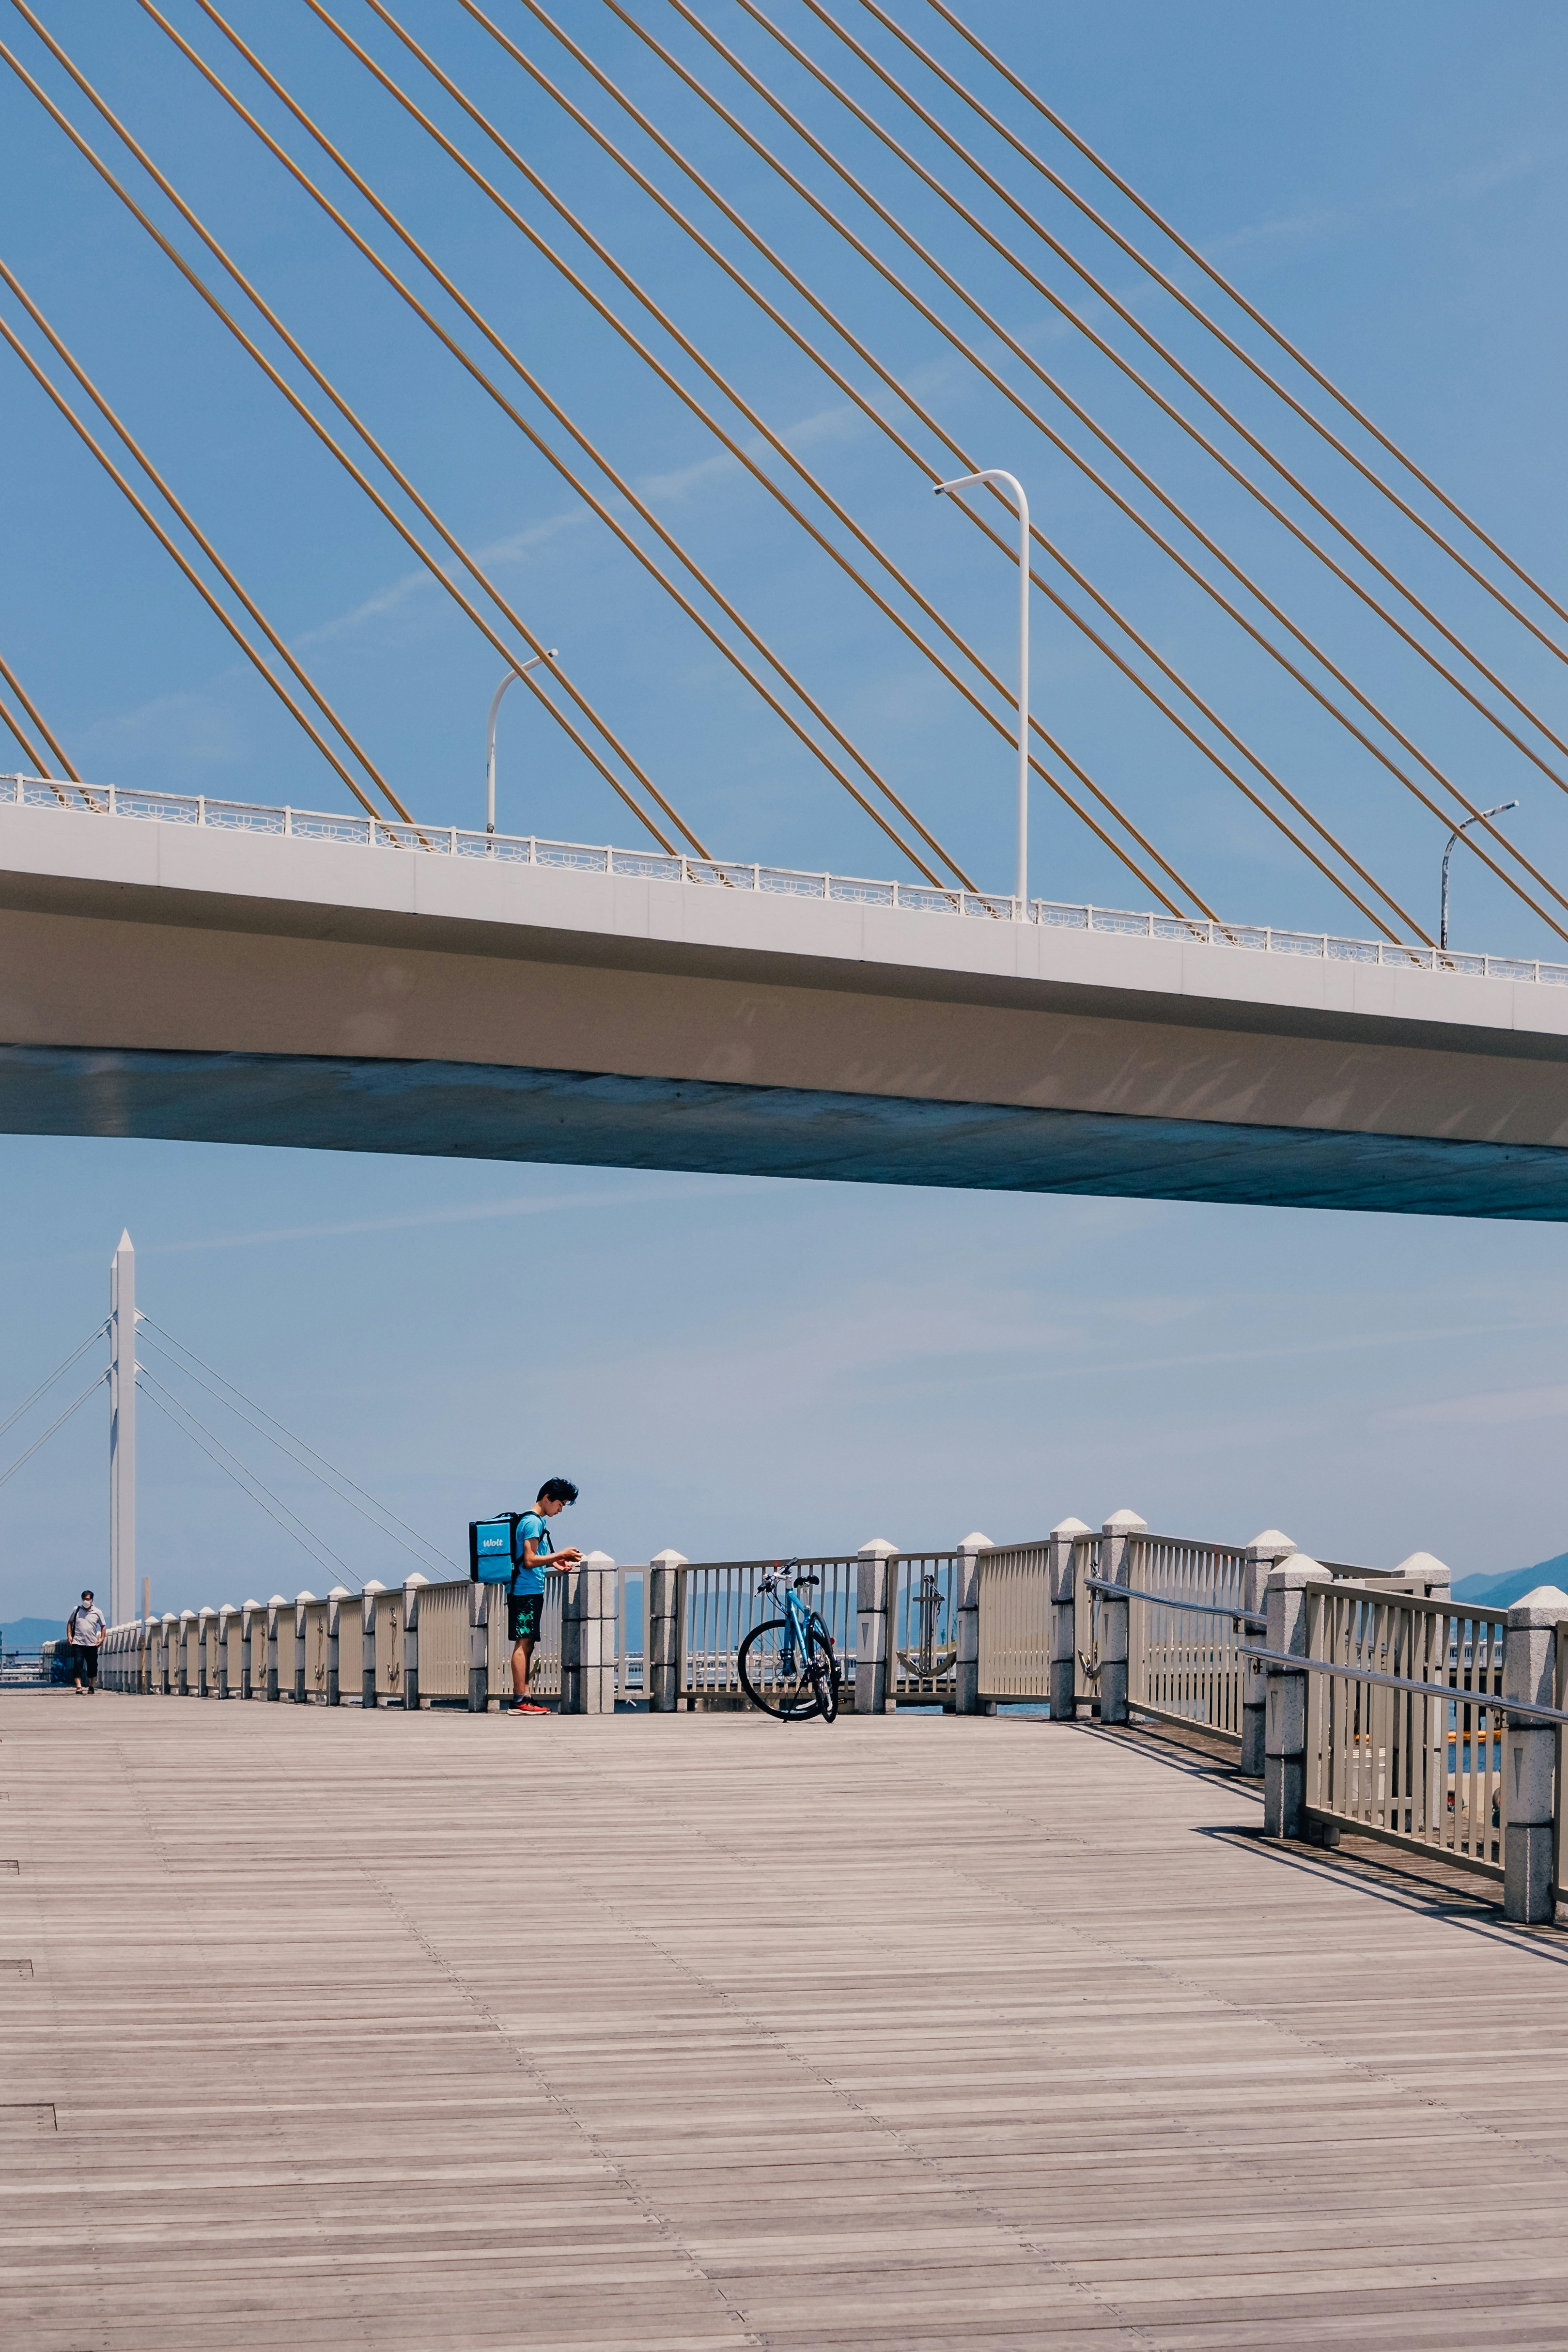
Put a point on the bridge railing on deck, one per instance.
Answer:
(377, 832)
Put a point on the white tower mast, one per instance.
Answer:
(122, 1433)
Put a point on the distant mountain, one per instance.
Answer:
(1497, 1592)
(28, 1632)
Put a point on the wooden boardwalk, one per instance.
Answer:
(668, 2033)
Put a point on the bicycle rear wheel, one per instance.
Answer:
(822, 1666)
(775, 1673)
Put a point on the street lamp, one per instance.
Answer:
(1464, 828)
(550, 653)
(1010, 483)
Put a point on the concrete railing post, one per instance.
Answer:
(875, 1588)
(479, 1646)
(662, 1634)
(1115, 1547)
(204, 1618)
(300, 1621)
(1263, 1555)
(335, 1600)
(273, 1606)
(171, 1653)
(226, 1615)
(187, 1626)
(249, 1612)
(570, 1642)
(597, 1645)
(966, 1672)
(1062, 1598)
(1431, 1579)
(1285, 1730)
(368, 1602)
(1530, 1757)
(412, 1588)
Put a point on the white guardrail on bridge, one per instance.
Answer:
(733, 874)
(1364, 1699)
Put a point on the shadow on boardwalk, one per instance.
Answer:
(439, 2031)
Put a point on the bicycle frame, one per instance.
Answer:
(797, 1615)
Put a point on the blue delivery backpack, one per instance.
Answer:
(492, 1549)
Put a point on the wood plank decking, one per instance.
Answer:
(349, 2029)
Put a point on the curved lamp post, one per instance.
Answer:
(1499, 811)
(1010, 483)
(549, 654)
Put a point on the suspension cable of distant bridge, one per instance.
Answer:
(1004, 726)
(202, 590)
(1146, 335)
(117, 426)
(177, 1410)
(544, 447)
(884, 425)
(96, 1382)
(288, 1440)
(1216, 276)
(15, 1415)
(39, 721)
(956, 286)
(308, 416)
(1130, 512)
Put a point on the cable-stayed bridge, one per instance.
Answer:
(239, 974)
(861, 195)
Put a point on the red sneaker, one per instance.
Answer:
(525, 1706)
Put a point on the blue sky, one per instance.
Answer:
(729, 1365)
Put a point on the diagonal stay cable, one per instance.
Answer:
(244, 1477)
(298, 1448)
(1123, 312)
(1236, 296)
(308, 417)
(1306, 539)
(736, 448)
(883, 424)
(96, 1382)
(1127, 509)
(30, 751)
(59, 1372)
(153, 525)
(117, 426)
(563, 418)
(543, 446)
(36, 716)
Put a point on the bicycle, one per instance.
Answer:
(789, 1667)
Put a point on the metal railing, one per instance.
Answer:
(1421, 1767)
(720, 1602)
(1184, 1651)
(1014, 1633)
(733, 874)
(922, 1644)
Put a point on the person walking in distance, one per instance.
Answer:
(534, 1547)
(84, 1632)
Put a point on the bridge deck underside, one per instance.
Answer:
(450, 2031)
(468, 1110)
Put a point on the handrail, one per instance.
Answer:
(1489, 1701)
(1164, 1600)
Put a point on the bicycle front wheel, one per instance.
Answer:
(775, 1672)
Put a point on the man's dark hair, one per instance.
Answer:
(558, 1490)
(86, 1596)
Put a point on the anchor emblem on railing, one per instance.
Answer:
(925, 1660)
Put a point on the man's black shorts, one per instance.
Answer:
(523, 1615)
(84, 1662)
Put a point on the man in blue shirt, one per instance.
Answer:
(534, 1549)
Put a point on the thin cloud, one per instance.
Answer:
(474, 1212)
(1321, 222)
(1505, 1408)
